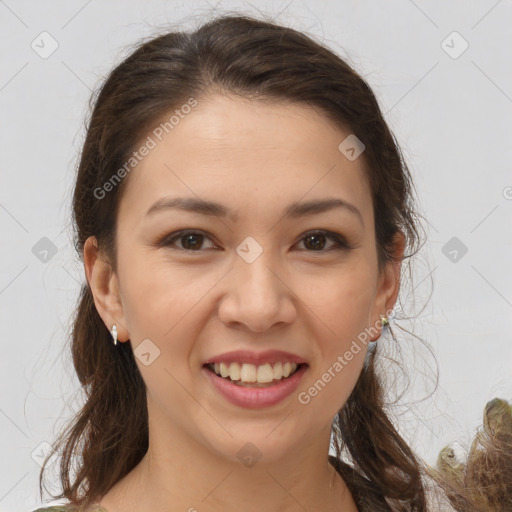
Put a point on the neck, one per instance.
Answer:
(181, 476)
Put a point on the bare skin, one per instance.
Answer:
(256, 159)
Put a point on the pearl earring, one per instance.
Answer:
(114, 333)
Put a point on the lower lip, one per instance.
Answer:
(256, 398)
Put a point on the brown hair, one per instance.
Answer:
(259, 60)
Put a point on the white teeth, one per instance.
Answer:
(247, 373)
(234, 371)
(265, 373)
(224, 370)
(252, 373)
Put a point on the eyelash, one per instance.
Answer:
(339, 241)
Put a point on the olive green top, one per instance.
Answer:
(372, 501)
(66, 508)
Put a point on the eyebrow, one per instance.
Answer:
(295, 210)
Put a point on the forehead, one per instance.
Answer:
(248, 155)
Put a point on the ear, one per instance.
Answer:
(388, 284)
(104, 287)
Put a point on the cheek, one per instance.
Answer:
(341, 303)
(161, 303)
(157, 294)
(342, 300)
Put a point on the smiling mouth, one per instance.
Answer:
(248, 375)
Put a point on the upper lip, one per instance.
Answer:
(256, 358)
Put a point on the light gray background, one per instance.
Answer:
(452, 117)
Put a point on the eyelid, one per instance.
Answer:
(340, 241)
(169, 239)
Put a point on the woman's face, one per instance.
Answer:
(253, 280)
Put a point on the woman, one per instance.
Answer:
(243, 212)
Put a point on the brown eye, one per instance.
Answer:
(315, 241)
(191, 241)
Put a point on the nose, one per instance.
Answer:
(257, 296)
